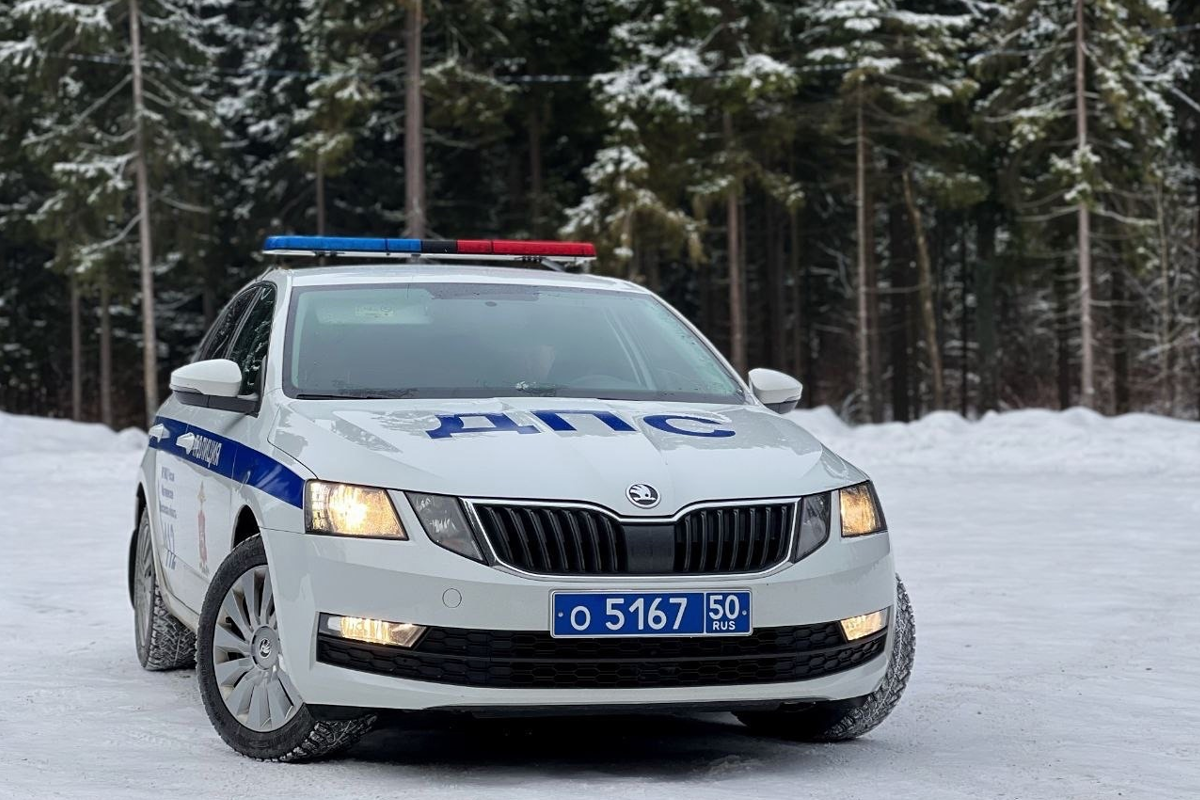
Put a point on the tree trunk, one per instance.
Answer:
(737, 320)
(76, 354)
(1120, 341)
(1086, 334)
(106, 409)
(414, 124)
(1167, 325)
(985, 308)
(925, 294)
(321, 227)
(874, 328)
(964, 394)
(536, 181)
(704, 279)
(864, 333)
(776, 296)
(149, 335)
(1062, 331)
(799, 358)
(900, 269)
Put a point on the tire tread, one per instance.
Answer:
(169, 643)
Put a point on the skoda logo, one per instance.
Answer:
(642, 495)
(264, 648)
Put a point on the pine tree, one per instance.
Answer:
(1085, 122)
(898, 66)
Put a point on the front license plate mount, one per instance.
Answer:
(632, 613)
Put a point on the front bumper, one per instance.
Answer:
(417, 581)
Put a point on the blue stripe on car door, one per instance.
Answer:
(237, 462)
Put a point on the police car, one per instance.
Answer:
(462, 476)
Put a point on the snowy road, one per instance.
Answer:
(1052, 560)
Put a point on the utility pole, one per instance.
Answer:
(1086, 335)
(149, 336)
(414, 123)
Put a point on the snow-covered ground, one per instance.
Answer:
(1053, 560)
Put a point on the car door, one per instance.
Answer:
(242, 432)
(190, 492)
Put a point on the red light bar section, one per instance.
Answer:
(475, 247)
(511, 247)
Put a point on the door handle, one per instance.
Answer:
(157, 431)
(186, 442)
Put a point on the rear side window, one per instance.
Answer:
(216, 342)
(250, 347)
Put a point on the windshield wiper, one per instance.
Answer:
(345, 396)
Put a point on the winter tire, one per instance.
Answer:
(840, 720)
(163, 642)
(244, 682)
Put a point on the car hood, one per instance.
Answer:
(557, 449)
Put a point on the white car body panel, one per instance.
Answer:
(264, 459)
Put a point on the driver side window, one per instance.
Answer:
(250, 347)
(216, 342)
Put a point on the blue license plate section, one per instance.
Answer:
(650, 613)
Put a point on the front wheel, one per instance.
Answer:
(839, 720)
(244, 681)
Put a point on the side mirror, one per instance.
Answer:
(211, 384)
(775, 390)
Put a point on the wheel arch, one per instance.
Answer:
(246, 525)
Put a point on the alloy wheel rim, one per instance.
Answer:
(247, 660)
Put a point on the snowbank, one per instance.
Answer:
(1078, 440)
(21, 434)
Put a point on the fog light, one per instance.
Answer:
(372, 631)
(864, 624)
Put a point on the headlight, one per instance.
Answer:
(861, 512)
(444, 521)
(814, 524)
(345, 510)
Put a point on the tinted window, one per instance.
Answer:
(217, 340)
(250, 347)
(495, 340)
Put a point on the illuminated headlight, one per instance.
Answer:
(814, 524)
(372, 631)
(345, 510)
(861, 512)
(444, 521)
(864, 624)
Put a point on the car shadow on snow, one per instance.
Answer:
(665, 747)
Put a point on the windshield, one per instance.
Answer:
(495, 340)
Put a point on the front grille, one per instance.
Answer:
(534, 659)
(553, 540)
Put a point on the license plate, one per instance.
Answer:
(650, 613)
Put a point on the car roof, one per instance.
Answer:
(422, 272)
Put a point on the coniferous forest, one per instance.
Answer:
(909, 204)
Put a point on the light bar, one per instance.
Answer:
(499, 249)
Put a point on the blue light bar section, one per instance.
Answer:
(341, 244)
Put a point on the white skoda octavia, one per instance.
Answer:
(427, 484)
